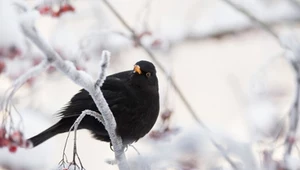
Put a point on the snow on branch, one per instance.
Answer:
(292, 43)
(22, 79)
(104, 65)
(83, 79)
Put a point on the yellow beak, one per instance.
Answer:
(137, 69)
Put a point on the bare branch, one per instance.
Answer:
(295, 3)
(252, 18)
(194, 36)
(83, 79)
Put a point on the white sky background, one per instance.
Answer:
(210, 72)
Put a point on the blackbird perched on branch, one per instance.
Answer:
(132, 97)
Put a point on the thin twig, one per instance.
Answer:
(144, 13)
(196, 36)
(26, 76)
(298, 149)
(294, 113)
(252, 18)
(75, 128)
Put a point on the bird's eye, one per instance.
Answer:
(148, 74)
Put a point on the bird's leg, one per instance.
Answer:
(113, 161)
(111, 146)
(125, 147)
(135, 149)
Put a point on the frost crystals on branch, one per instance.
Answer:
(83, 79)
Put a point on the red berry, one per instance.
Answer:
(156, 43)
(80, 68)
(63, 9)
(45, 10)
(291, 139)
(51, 69)
(55, 14)
(155, 134)
(2, 132)
(16, 137)
(13, 52)
(1, 52)
(3, 142)
(12, 149)
(66, 8)
(2, 68)
(166, 114)
(30, 81)
(36, 61)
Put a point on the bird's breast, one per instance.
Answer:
(139, 120)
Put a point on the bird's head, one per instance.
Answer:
(144, 74)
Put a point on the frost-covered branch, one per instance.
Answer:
(25, 77)
(293, 45)
(83, 79)
(102, 75)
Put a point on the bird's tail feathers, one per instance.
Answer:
(60, 127)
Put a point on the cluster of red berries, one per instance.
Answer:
(10, 53)
(48, 10)
(164, 133)
(13, 140)
(165, 129)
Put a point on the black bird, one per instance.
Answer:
(132, 97)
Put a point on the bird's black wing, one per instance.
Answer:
(114, 89)
(118, 96)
